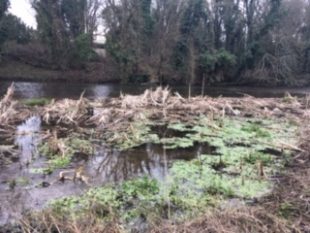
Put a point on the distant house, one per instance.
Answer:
(98, 47)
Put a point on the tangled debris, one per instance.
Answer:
(159, 104)
(11, 111)
(67, 112)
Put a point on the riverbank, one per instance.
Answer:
(12, 70)
(158, 162)
(99, 73)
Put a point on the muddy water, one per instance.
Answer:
(74, 90)
(23, 188)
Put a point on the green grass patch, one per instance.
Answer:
(36, 102)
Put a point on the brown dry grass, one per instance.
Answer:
(160, 105)
(50, 222)
(245, 220)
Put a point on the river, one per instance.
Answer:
(58, 90)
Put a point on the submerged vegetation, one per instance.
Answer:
(251, 142)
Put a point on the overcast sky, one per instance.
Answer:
(23, 10)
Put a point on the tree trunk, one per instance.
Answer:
(203, 85)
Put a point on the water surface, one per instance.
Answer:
(60, 90)
(22, 187)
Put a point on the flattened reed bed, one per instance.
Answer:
(159, 104)
(162, 105)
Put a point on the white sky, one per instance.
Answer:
(23, 10)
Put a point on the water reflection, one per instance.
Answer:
(27, 138)
(100, 91)
(29, 90)
(152, 160)
(24, 90)
(60, 90)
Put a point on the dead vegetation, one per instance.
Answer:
(67, 112)
(161, 105)
(11, 112)
(50, 223)
(245, 220)
(7, 106)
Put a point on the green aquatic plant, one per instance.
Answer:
(65, 147)
(60, 151)
(45, 171)
(136, 135)
(257, 128)
(36, 102)
(58, 162)
(204, 179)
(104, 196)
(254, 157)
(179, 127)
(46, 150)
(143, 188)
(175, 143)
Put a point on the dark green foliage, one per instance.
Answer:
(73, 12)
(52, 30)
(201, 40)
(212, 64)
(4, 5)
(61, 27)
(14, 29)
(83, 49)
